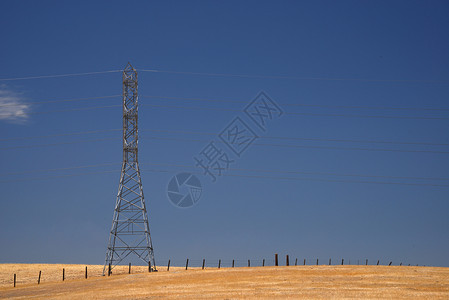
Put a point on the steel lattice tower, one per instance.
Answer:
(130, 232)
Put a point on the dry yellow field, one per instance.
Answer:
(337, 282)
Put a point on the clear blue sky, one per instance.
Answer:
(346, 65)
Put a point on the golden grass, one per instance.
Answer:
(318, 282)
(28, 273)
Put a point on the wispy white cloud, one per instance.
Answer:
(13, 107)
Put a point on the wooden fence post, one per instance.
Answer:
(263, 262)
(168, 265)
(377, 262)
(317, 261)
(304, 261)
(204, 261)
(63, 274)
(287, 263)
(400, 264)
(366, 262)
(390, 263)
(14, 280)
(342, 261)
(109, 270)
(276, 259)
(129, 268)
(249, 263)
(296, 262)
(233, 263)
(330, 262)
(219, 263)
(187, 263)
(39, 279)
(85, 273)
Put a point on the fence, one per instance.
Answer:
(263, 262)
(79, 271)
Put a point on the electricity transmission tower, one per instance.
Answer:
(130, 232)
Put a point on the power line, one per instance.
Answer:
(306, 173)
(58, 176)
(58, 75)
(334, 180)
(67, 110)
(279, 171)
(291, 77)
(210, 133)
(299, 114)
(307, 147)
(305, 139)
(57, 144)
(301, 104)
(214, 134)
(230, 75)
(60, 134)
(60, 101)
(238, 175)
(75, 109)
(234, 110)
(57, 169)
(74, 175)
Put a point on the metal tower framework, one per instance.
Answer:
(130, 232)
